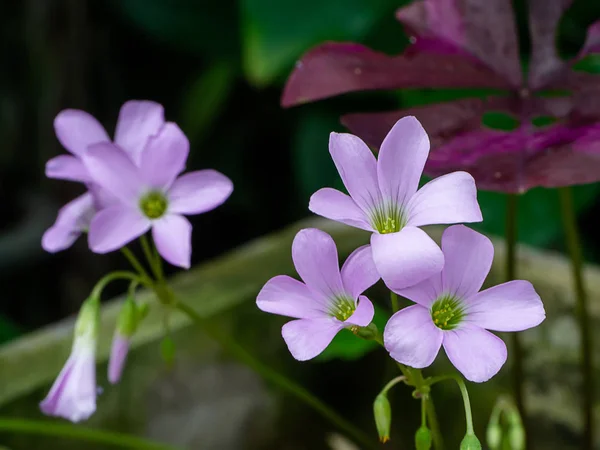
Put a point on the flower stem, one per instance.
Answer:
(394, 300)
(135, 263)
(79, 432)
(574, 248)
(511, 259)
(120, 275)
(465, 395)
(269, 374)
(392, 383)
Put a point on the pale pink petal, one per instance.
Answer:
(511, 306)
(164, 156)
(58, 238)
(76, 130)
(401, 160)
(468, 259)
(357, 166)
(289, 297)
(335, 205)
(114, 227)
(72, 219)
(451, 198)
(475, 352)
(138, 120)
(112, 170)
(359, 272)
(173, 238)
(118, 356)
(316, 260)
(198, 192)
(67, 167)
(363, 314)
(411, 338)
(425, 292)
(307, 338)
(406, 258)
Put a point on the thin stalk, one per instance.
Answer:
(465, 395)
(135, 263)
(392, 383)
(424, 411)
(43, 428)
(152, 260)
(511, 260)
(574, 247)
(394, 300)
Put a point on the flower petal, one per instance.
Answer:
(198, 192)
(67, 167)
(406, 258)
(511, 306)
(475, 352)
(401, 160)
(72, 219)
(363, 314)
(468, 257)
(335, 205)
(114, 227)
(288, 297)
(118, 356)
(307, 338)
(113, 171)
(359, 272)
(425, 292)
(76, 130)
(138, 120)
(357, 166)
(451, 198)
(164, 156)
(173, 238)
(411, 338)
(316, 260)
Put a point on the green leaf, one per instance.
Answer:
(349, 347)
(276, 33)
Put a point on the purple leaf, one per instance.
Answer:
(485, 30)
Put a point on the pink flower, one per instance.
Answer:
(384, 200)
(327, 301)
(451, 312)
(73, 219)
(150, 195)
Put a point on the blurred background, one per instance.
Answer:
(218, 68)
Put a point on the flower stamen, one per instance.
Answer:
(154, 204)
(342, 308)
(447, 312)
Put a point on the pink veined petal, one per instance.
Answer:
(114, 227)
(468, 257)
(425, 292)
(289, 297)
(411, 337)
(401, 160)
(198, 192)
(118, 356)
(363, 314)
(76, 130)
(357, 167)
(475, 352)
(307, 338)
(138, 120)
(173, 238)
(316, 260)
(359, 272)
(72, 219)
(164, 156)
(406, 258)
(67, 167)
(511, 306)
(112, 170)
(335, 205)
(451, 198)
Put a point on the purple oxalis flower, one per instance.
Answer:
(466, 43)
(73, 394)
(151, 195)
(327, 301)
(451, 312)
(73, 219)
(384, 200)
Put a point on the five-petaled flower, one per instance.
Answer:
(384, 200)
(450, 311)
(327, 301)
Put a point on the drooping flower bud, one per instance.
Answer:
(470, 442)
(368, 333)
(423, 438)
(73, 394)
(494, 436)
(382, 412)
(516, 431)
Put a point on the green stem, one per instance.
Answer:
(79, 432)
(424, 411)
(154, 262)
(511, 260)
(120, 275)
(135, 263)
(465, 395)
(574, 248)
(394, 300)
(392, 383)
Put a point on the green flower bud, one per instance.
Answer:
(470, 442)
(88, 319)
(382, 411)
(128, 319)
(423, 438)
(494, 436)
(368, 333)
(516, 437)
